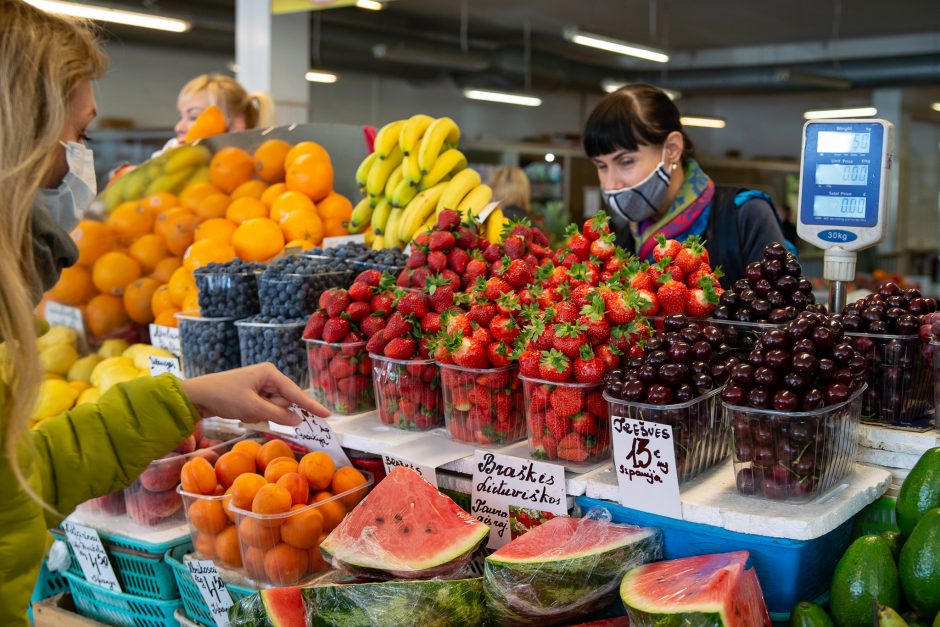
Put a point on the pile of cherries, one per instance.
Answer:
(889, 311)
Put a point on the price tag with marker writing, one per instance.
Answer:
(316, 435)
(92, 558)
(428, 472)
(167, 338)
(645, 463)
(59, 315)
(212, 588)
(161, 365)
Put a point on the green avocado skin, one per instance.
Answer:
(866, 571)
(808, 614)
(920, 491)
(919, 565)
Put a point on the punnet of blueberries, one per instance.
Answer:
(208, 345)
(275, 339)
(291, 287)
(229, 289)
(361, 257)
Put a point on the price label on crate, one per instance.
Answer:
(167, 338)
(212, 588)
(96, 567)
(503, 484)
(393, 461)
(316, 435)
(161, 365)
(59, 315)
(645, 463)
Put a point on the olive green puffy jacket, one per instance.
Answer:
(84, 453)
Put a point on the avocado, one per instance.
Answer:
(887, 617)
(919, 565)
(866, 571)
(894, 540)
(808, 614)
(920, 491)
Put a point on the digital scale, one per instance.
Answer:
(844, 184)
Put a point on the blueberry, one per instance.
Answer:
(291, 287)
(229, 289)
(278, 340)
(209, 345)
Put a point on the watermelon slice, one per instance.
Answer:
(704, 590)
(404, 529)
(278, 607)
(564, 568)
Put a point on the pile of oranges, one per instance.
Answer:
(137, 266)
(275, 546)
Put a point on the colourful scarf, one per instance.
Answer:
(688, 214)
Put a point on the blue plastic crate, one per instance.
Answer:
(118, 608)
(193, 603)
(48, 585)
(789, 571)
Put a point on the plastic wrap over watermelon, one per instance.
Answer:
(707, 590)
(565, 568)
(404, 529)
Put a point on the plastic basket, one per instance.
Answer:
(117, 608)
(48, 585)
(193, 603)
(876, 518)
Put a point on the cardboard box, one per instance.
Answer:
(59, 611)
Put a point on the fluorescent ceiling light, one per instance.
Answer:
(611, 85)
(501, 96)
(702, 121)
(370, 5)
(550, 157)
(854, 112)
(935, 106)
(591, 40)
(319, 76)
(116, 16)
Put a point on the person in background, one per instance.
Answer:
(512, 189)
(47, 65)
(653, 184)
(242, 110)
(786, 224)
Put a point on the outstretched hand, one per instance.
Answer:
(251, 394)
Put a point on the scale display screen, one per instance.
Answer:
(841, 142)
(841, 174)
(845, 207)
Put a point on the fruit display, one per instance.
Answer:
(564, 569)
(291, 287)
(408, 392)
(716, 589)
(208, 345)
(406, 529)
(567, 421)
(276, 340)
(229, 289)
(483, 405)
(359, 257)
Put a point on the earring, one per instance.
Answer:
(674, 166)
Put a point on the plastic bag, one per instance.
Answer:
(565, 568)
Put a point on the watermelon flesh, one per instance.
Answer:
(404, 529)
(278, 607)
(564, 569)
(704, 590)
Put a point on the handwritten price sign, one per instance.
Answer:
(316, 435)
(645, 463)
(59, 315)
(91, 556)
(212, 588)
(393, 461)
(167, 338)
(160, 365)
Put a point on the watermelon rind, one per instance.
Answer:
(277, 607)
(431, 603)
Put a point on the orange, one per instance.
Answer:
(226, 547)
(302, 244)
(167, 318)
(311, 175)
(296, 484)
(227, 504)
(208, 123)
(166, 268)
(160, 202)
(249, 189)
(271, 499)
(302, 225)
(335, 227)
(251, 447)
(204, 543)
(194, 193)
(232, 464)
(269, 160)
(213, 206)
(93, 240)
(191, 301)
(318, 468)
(284, 564)
(198, 477)
(253, 531)
(272, 193)
(302, 530)
(206, 251)
(176, 226)
(229, 168)
(74, 287)
(306, 148)
(332, 511)
(161, 300)
(278, 467)
(137, 298)
(245, 209)
(180, 284)
(207, 515)
(347, 478)
(114, 271)
(105, 314)
(289, 202)
(335, 206)
(130, 220)
(148, 251)
(253, 560)
(258, 240)
(245, 488)
(271, 450)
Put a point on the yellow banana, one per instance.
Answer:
(380, 171)
(473, 203)
(171, 183)
(378, 242)
(412, 131)
(393, 180)
(201, 176)
(362, 172)
(136, 185)
(441, 130)
(186, 157)
(410, 169)
(494, 226)
(418, 210)
(361, 216)
(403, 194)
(113, 194)
(450, 161)
(391, 228)
(380, 216)
(457, 188)
(387, 139)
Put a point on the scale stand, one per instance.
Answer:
(839, 270)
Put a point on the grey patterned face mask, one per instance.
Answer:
(643, 200)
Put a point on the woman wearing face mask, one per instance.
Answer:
(242, 110)
(47, 64)
(653, 185)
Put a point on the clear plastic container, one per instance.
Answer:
(280, 344)
(794, 455)
(107, 505)
(898, 371)
(742, 336)
(297, 295)
(341, 376)
(567, 421)
(210, 523)
(208, 344)
(152, 499)
(700, 429)
(483, 406)
(408, 392)
(275, 549)
(229, 294)
(935, 356)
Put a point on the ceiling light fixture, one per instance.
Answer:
(370, 5)
(321, 76)
(412, 55)
(853, 112)
(550, 157)
(935, 106)
(574, 35)
(503, 97)
(116, 16)
(611, 85)
(702, 121)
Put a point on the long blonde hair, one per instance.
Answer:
(228, 94)
(43, 58)
(511, 187)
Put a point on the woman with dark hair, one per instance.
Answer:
(654, 186)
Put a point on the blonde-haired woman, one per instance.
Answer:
(511, 188)
(242, 110)
(47, 64)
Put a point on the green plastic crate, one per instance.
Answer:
(193, 603)
(118, 608)
(876, 518)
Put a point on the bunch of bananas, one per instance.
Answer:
(169, 172)
(414, 173)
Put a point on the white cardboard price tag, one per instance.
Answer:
(645, 463)
(212, 588)
(91, 556)
(316, 435)
(167, 338)
(59, 315)
(486, 211)
(334, 242)
(160, 365)
(393, 461)
(502, 481)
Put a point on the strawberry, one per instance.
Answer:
(400, 348)
(702, 299)
(431, 323)
(447, 221)
(358, 311)
(437, 261)
(554, 366)
(441, 241)
(690, 254)
(440, 294)
(550, 444)
(588, 367)
(608, 354)
(457, 260)
(569, 338)
(475, 268)
(666, 248)
(565, 312)
(529, 363)
(514, 247)
(416, 259)
(545, 338)
(504, 329)
(314, 327)
(596, 226)
(572, 448)
(657, 270)
(441, 353)
(673, 296)
(397, 326)
(404, 278)
(451, 277)
(482, 335)
(466, 238)
(412, 304)
(371, 325)
(579, 244)
(557, 425)
(370, 277)
(596, 404)
(584, 423)
(335, 329)
(495, 287)
(492, 253)
(381, 304)
(649, 304)
(498, 354)
(335, 301)
(593, 320)
(419, 278)
(341, 367)
(426, 347)
(567, 401)
(603, 247)
(455, 321)
(676, 273)
(469, 353)
(621, 305)
(517, 273)
(508, 304)
(360, 291)
(482, 313)
(704, 271)
(638, 276)
(539, 399)
(494, 380)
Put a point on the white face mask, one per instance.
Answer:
(642, 201)
(68, 202)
